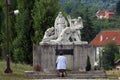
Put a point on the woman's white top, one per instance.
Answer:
(61, 62)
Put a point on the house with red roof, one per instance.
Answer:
(102, 39)
(104, 14)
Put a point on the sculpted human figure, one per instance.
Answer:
(49, 35)
(61, 33)
(53, 32)
(64, 36)
(73, 31)
(60, 23)
(71, 21)
(76, 34)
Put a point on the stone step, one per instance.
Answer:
(70, 75)
(70, 79)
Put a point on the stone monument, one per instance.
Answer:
(62, 37)
(62, 33)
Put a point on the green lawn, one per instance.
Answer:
(113, 72)
(18, 71)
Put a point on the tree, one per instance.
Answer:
(11, 25)
(117, 56)
(118, 8)
(0, 41)
(88, 31)
(44, 13)
(23, 42)
(2, 29)
(88, 66)
(108, 55)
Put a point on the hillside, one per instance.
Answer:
(106, 4)
(90, 1)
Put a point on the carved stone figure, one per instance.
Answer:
(61, 33)
(64, 36)
(60, 23)
(72, 32)
(49, 35)
(76, 34)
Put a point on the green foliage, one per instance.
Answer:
(118, 8)
(1, 29)
(11, 22)
(22, 49)
(106, 24)
(22, 33)
(117, 56)
(44, 13)
(22, 44)
(0, 25)
(18, 71)
(88, 27)
(77, 8)
(88, 65)
(36, 16)
(108, 55)
(0, 46)
(107, 4)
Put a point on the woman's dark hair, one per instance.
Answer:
(61, 53)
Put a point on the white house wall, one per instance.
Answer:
(98, 53)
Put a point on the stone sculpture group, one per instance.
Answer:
(62, 33)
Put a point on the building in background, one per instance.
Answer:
(104, 14)
(102, 39)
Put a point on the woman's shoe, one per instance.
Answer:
(64, 74)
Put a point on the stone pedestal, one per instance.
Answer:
(44, 56)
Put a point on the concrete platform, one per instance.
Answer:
(70, 75)
(70, 79)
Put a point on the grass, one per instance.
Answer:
(113, 72)
(18, 71)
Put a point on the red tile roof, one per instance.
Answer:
(105, 37)
(101, 13)
(105, 14)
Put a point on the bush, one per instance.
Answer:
(108, 56)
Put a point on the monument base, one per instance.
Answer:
(70, 75)
(45, 55)
(65, 43)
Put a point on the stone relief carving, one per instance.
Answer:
(62, 33)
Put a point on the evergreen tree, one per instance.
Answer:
(88, 66)
(118, 8)
(0, 32)
(23, 43)
(2, 28)
(108, 55)
(44, 14)
(0, 25)
(88, 32)
(11, 25)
